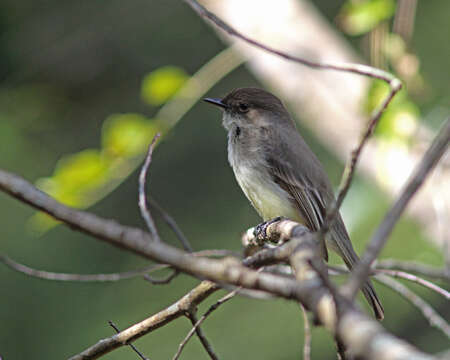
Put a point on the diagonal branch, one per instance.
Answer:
(415, 268)
(170, 221)
(201, 336)
(345, 67)
(142, 196)
(142, 356)
(416, 279)
(307, 335)
(429, 160)
(188, 301)
(196, 324)
(350, 167)
(427, 311)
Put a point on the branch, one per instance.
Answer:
(131, 345)
(307, 335)
(202, 319)
(427, 311)
(350, 167)
(201, 335)
(170, 221)
(416, 279)
(57, 276)
(429, 160)
(358, 332)
(46, 275)
(352, 328)
(339, 269)
(190, 300)
(162, 281)
(345, 67)
(196, 328)
(142, 197)
(415, 268)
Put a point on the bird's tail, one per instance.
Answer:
(372, 298)
(367, 289)
(345, 249)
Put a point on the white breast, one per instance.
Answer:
(265, 195)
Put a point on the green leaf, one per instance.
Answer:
(359, 17)
(162, 84)
(74, 176)
(40, 223)
(127, 135)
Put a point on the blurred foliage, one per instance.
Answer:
(357, 17)
(162, 84)
(127, 135)
(74, 175)
(77, 177)
(399, 121)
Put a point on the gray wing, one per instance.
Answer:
(306, 195)
(305, 199)
(311, 193)
(308, 186)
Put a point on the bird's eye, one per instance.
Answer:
(243, 107)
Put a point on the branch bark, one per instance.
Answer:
(352, 327)
(429, 160)
(190, 300)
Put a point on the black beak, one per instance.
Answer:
(217, 102)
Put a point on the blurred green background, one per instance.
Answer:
(68, 66)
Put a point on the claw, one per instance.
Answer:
(260, 231)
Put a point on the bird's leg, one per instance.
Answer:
(260, 229)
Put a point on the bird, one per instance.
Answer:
(278, 172)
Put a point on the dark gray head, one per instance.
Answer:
(249, 107)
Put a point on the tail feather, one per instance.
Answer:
(340, 241)
(372, 298)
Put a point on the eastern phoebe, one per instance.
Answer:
(279, 173)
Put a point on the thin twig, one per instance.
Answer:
(307, 335)
(422, 170)
(172, 312)
(54, 276)
(170, 221)
(213, 307)
(416, 279)
(191, 315)
(57, 276)
(350, 167)
(142, 356)
(345, 67)
(414, 267)
(427, 311)
(162, 281)
(142, 197)
(339, 270)
(405, 266)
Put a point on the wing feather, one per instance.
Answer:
(303, 197)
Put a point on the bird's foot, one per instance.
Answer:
(260, 231)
